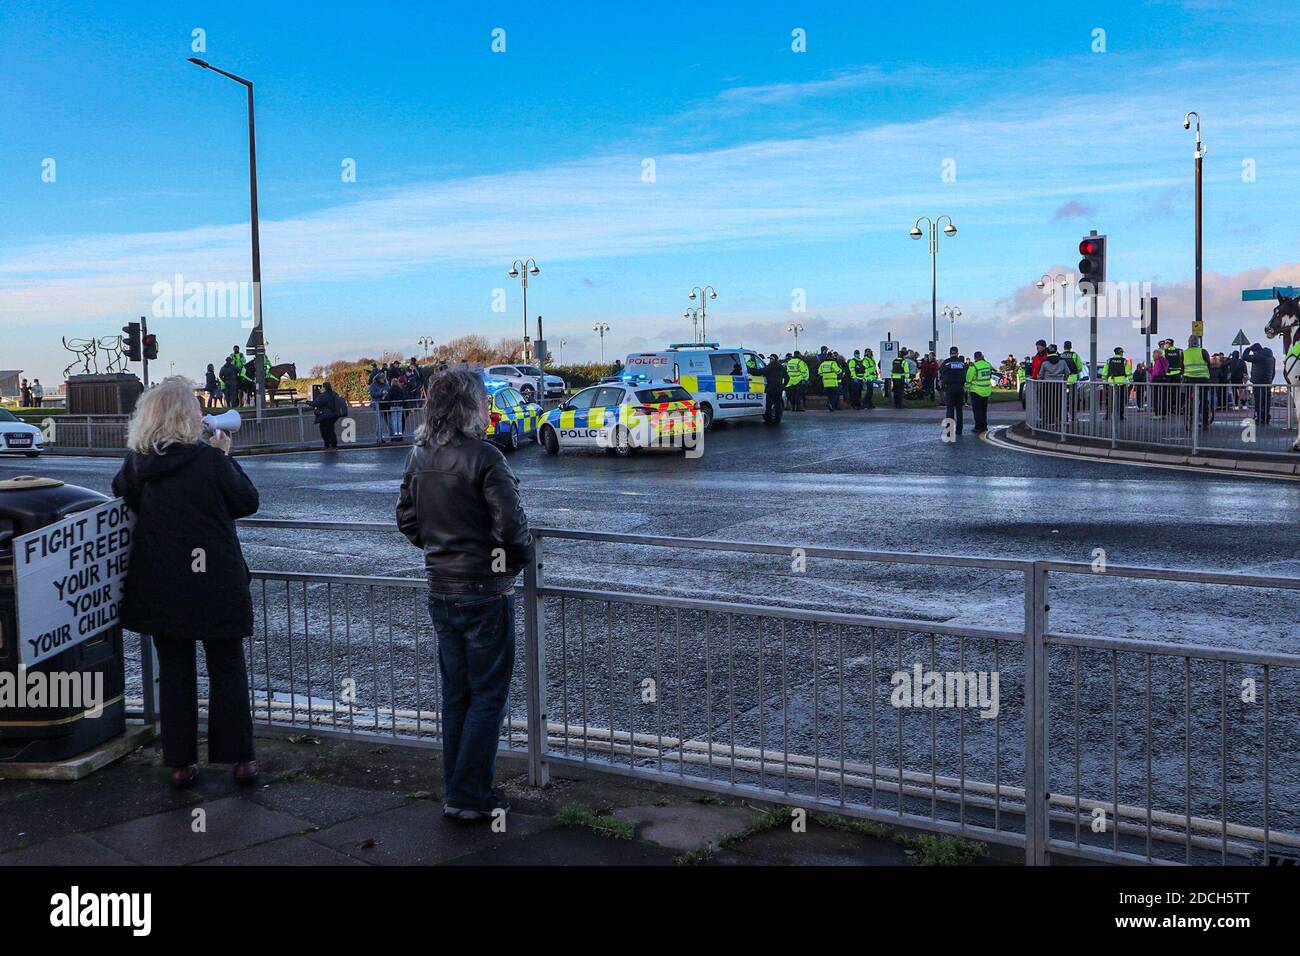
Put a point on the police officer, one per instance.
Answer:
(979, 383)
(1196, 372)
(775, 378)
(952, 376)
(1174, 375)
(1075, 364)
(829, 373)
(869, 373)
(797, 381)
(1116, 374)
(897, 378)
(857, 372)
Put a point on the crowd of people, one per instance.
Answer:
(1241, 379)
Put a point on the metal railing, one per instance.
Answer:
(286, 427)
(1183, 417)
(1107, 748)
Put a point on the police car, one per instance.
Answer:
(623, 417)
(725, 383)
(17, 436)
(512, 419)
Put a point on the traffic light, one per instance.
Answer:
(151, 346)
(1150, 316)
(1092, 267)
(132, 350)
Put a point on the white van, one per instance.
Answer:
(726, 383)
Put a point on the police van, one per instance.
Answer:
(726, 383)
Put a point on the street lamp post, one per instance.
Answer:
(563, 343)
(952, 313)
(521, 270)
(425, 341)
(916, 233)
(694, 316)
(1061, 279)
(706, 293)
(1197, 157)
(600, 328)
(256, 341)
(796, 328)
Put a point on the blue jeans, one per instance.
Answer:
(476, 655)
(382, 431)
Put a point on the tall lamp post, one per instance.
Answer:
(694, 316)
(563, 343)
(706, 293)
(600, 328)
(521, 270)
(256, 341)
(1197, 157)
(1062, 280)
(916, 233)
(952, 314)
(796, 328)
(426, 342)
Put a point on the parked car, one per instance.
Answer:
(555, 387)
(17, 436)
(529, 379)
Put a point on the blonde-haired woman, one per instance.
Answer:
(187, 580)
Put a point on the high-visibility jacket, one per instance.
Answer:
(857, 370)
(1074, 363)
(830, 373)
(797, 369)
(1196, 363)
(1020, 374)
(869, 368)
(979, 378)
(1117, 370)
(898, 368)
(1174, 356)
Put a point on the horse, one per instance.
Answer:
(1288, 307)
(284, 368)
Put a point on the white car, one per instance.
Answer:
(623, 419)
(528, 379)
(17, 436)
(555, 386)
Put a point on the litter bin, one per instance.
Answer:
(42, 734)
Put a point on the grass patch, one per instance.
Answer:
(924, 850)
(575, 815)
(767, 820)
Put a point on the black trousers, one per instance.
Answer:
(956, 399)
(897, 385)
(832, 396)
(869, 393)
(230, 719)
(327, 435)
(775, 408)
(979, 404)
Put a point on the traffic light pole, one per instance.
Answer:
(1092, 362)
(144, 355)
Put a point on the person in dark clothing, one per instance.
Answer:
(330, 407)
(952, 376)
(460, 504)
(212, 387)
(229, 376)
(187, 580)
(1263, 368)
(775, 379)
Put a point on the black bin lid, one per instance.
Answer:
(28, 502)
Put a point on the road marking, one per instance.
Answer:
(1011, 446)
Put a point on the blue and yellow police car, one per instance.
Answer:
(623, 417)
(512, 419)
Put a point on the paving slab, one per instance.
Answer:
(287, 851)
(418, 835)
(76, 849)
(232, 823)
(324, 804)
(569, 846)
(686, 826)
(818, 846)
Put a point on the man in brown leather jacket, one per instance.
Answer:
(460, 504)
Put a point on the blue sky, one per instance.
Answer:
(775, 171)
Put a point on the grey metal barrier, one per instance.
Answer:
(1185, 417)
(1099, 747)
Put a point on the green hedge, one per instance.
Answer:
(580, 376)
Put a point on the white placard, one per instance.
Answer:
(69, 578)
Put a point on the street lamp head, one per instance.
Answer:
(513, 273)
(197, 62)
(916, 232)
(712, 294)
(950, 230)
(1040, 284)
(692, 295)
(534, 270)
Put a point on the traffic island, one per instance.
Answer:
(1255, 465)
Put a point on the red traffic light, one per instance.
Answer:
(1089, 247)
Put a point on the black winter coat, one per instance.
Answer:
(185, 499)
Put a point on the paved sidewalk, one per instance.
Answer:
(329, 802)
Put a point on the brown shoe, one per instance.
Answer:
(182, 777)
(246, 773)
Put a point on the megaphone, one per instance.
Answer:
(227, 422)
